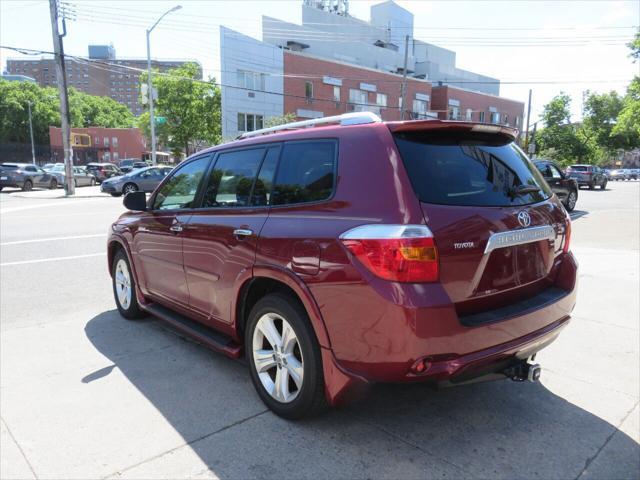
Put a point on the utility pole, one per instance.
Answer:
(150, 84)
(526, 135)
(403, 93)
(33, 148)
(61, 75)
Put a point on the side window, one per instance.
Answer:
(30, 168)
(181, 188)
(306, 172)
(262, 189)
(555, 173)
(232, 179)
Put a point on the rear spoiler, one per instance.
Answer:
(423, 125)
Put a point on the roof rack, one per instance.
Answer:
(353, 118)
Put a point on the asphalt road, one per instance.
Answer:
(87, 394)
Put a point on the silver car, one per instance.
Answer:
(143, 180)
(81, 177)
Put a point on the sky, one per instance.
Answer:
(547, 46)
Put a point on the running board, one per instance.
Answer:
(207, 336)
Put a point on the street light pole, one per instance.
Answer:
(33, 148)
(150, 84)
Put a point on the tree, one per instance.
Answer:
(634, 46)
(600, 114)
(279, 120)
(628, 124)
(561, 139)
(190, 106)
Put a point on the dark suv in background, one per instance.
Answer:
(102, 171)
(353, 252)
(564, 187)
(25, 176)
(588, 176)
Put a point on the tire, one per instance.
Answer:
(592, 186)
(604, 185)
(572, 198)
(124, 287)
(129, 188)
(54, 184)
(27, 186)
(116, 194)
(92, 182)
(75, 183)
(300, 355)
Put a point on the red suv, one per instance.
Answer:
(353, 252)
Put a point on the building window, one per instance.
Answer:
(454, 112)
(106, 157)
(308, 90)
(336, 93)
(517, 122)
(251, 80)
(495, 117)
(114, 142)
(506, 120)
(115, 156)
(420, 108)
(357, 97)
(381, 99)
(106, 141)
(248, 122)
(481, 119)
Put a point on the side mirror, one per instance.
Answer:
(136, 201)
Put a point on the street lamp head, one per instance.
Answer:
(177, 7)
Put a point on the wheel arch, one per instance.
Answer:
(115, 244)
(267, 280)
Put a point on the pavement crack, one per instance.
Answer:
(591, 459)
(19, 448)
(186, 444)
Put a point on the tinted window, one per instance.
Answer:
(262, 189)
(8, 166)
(306, 172)
(580, 168)
(30, 169)
(555, 173)
(469, 169)
(232, 178)
(180, 190)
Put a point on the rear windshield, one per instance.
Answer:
(580, 168)
(469, 169)
(8, 166)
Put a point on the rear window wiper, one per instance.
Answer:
(523, 190)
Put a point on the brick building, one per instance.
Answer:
(98, 144)
(102, 75)
(319, 88)
(454, 103)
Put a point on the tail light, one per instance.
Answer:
(567, 235)
(400, 253)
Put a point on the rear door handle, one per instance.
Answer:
(242, 232)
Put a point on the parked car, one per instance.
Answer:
(48, 166)
(25, 176)
(145, 179)
(447, 261)
(102, 171)
(632, 173)
(81, 177)
(564, 187)
(129, 164)
(588, 175)
(607, 173)
(618, 175)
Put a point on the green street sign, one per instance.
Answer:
(161, 120)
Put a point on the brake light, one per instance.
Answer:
(400, 253)
(567, 235)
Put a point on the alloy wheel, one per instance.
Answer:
(277, 357)
(122, 280)
(130, 189)
(571, 201)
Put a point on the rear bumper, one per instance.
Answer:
(399, 337)
(12, 183)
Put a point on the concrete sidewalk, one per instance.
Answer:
(81, 192)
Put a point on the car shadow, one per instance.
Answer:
(576, 214)
(489, 430)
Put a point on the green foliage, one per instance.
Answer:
(280, 120)
(191, 107)
(634, 46)
(628, 125)
(600, 114)
(85, 111)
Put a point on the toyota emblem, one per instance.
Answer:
(524, 219)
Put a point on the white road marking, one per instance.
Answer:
(53, 259)
(43, 205)
(53, 239)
